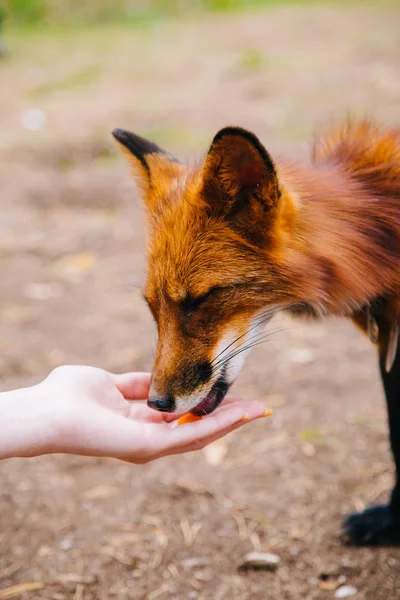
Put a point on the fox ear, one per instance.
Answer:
(154, 167)
(239, 174)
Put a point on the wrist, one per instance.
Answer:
(27, 427)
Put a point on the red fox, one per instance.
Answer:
(239, 237)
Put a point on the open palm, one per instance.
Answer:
(104, 415)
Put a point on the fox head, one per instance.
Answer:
(217, 267)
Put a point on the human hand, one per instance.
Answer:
(88, 411)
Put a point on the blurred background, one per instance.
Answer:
(72, 260)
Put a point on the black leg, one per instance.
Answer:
(381, 524)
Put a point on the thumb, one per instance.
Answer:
(133, 386)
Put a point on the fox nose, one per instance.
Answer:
(161, 403)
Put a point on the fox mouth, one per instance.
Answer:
(213, 398)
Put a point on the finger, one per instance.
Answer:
(245, 403)
(199, 445)
(214, 424)
(200, 442)
(225, 405)
(133, 386)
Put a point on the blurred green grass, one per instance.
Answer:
(31, 12)
(80, 78)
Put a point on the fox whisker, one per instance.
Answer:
(256, 340)
(263, 318)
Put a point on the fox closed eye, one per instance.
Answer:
(191, 304)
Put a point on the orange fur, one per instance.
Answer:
(318, 239)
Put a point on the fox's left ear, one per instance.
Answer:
(239, 174)
(154, 167)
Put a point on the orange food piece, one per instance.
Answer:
(267, 413)
(188, 418)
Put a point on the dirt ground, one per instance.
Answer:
(72, 261)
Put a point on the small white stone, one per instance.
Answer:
(260, 560)
(346, 591)
(194, 563)
(33, 119)
(65, 544)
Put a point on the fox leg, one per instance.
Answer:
(380, 524)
